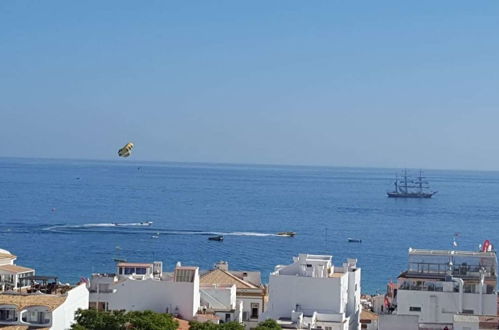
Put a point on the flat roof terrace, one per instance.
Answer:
(449, 262)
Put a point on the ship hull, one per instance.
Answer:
(409, 195)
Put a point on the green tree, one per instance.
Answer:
(233, 325)
(94, 320)
(268, 324)
(149, 320)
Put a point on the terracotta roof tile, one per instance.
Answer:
(218, 276)
(15, 269)
(182, 324)
(368, 315)
(7, 256)
(22, 301)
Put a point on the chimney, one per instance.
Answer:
(222, 265)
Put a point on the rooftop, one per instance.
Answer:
(221, 277)
(15, 269)
(452, 253)
(22, 301)
(368, 315)
(488, 321)
(19, 327)
(182, 324)
(6, 255)
(187, 267)
(449, 262)
(134, 264)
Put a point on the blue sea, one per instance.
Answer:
(60, 216)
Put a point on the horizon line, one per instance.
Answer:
(237, 164)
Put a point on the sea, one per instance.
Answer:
(72, 218)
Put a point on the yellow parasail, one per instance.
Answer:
(126, 150)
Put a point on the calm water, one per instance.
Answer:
(57, 216)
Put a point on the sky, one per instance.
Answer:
(336, 83)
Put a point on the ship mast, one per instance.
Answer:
(420, 182)
(405, 180)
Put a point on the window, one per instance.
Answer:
(8, 314)
(254, 310)
(415, 309)
(129, 270)
(469, 288)
(227, 317)
(309, 266)
(36, 317)
(141, 271)
(468, 311)
(245, 316)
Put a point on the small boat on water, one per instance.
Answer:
(286, 233)
(354, 240)
(145, 223)
(216, 238)
(119, 260)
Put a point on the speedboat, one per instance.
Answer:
(286, 234)
(146, 223)
(216, 238)
(354, 240)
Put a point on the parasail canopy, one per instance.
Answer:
(126, 150)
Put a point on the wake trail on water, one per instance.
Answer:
(135, 228)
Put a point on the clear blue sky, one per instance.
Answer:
(360, 83)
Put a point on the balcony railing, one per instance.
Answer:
(455, 270)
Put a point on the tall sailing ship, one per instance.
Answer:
(406, 187)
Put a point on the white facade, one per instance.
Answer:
(63, 316)
(250, 293)
(12, 276)
(440, 284)
(221, 301)
(54, 311)
(139, 287)
(398, 322)
(466, 322)
(312, 292)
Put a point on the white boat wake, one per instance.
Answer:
(143, 228)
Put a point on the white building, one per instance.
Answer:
(220, 301)
(439, 284)
(249, 297)
(313, 293)
(368, 320)
(144, 286)
(49, 311)
(12, 276)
